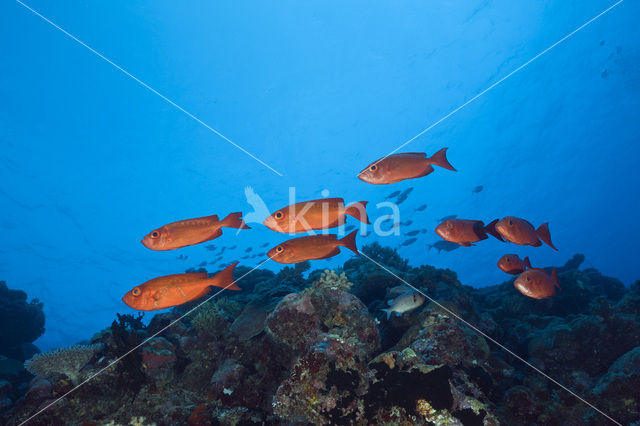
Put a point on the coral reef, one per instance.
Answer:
(22, 323)
(66, 361)
(318, 350)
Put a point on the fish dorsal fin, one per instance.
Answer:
(320, 200)
(180, 278)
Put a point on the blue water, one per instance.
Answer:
(91, 160)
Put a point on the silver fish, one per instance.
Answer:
(404, 303)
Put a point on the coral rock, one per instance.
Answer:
(158, 359)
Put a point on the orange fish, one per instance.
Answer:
(173, 290)
(312, 247)
(408, 165)
(315, 214)
(466, 232)
(521, 232)
(537, 283)
(191, 231)
(512, 264)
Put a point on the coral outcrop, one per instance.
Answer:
(318, 350)
(22, 322)
(66, 361)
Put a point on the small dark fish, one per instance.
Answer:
(413, 233)
(443, 246)
(393, 194)
(213, 262)
(182, 257)
(232, 247)
(210, 247)
(404, 195)
(203, 263)
(248, 249)
(223, 249)
(244, 257)
(477, 189)
(406, 223)
(261, 254)
(349, 228)
(424, 231)
(451, 216)
(387, 218)
(264, 245)
(422, 207)
(408, 242)
(406, 192)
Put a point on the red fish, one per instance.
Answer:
(173, 290)
(466, 232)
(537, 283)
(191, 231)
(512, 264)
(315, 214)
(408, 165)
(521, 232)
(312, 247)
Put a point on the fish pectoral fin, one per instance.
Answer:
(465, 244)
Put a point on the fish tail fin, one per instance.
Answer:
(359, 211)
(527, 262)
(224, 278)
(543, 233)
(349, 242)
(554, 277)
(440, 159)
(388, 312)
(234, 220)
(490, 229)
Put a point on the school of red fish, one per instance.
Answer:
(173, 290)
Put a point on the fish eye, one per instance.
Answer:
(136, 291)
(155, 234)
(279, 249)
(510, 222)
(508, 260)
(373, 167)
(528, 278)
(278, 215)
